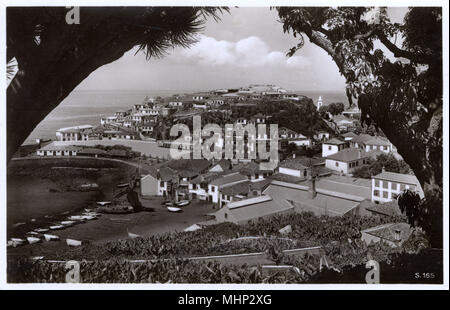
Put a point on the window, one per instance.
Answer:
(226, 215)
(329, 147)
(402, 187)
(385, 184)
(393, 185)
(385, 194)
(376, 193)
(337, 164)
(161, 184)
(377, 183)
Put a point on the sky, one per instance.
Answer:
(247, 46)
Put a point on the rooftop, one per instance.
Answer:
(301, 162)
(349, 154)
(256, 207)
(371, 140)
(75, 128)
(324, 202)
(397, 177)
(229, 179)
(387, 231)
(334, 141)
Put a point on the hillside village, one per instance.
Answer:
(314, 174)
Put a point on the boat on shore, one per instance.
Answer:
(76, 218)
(104, 203)
(132, 236)
(56, 227)
(174, 209)
(17, 241)
(41, 230)
(49, 237)
(32, 240)
(183, 203)
(67, 223)
(73, 242)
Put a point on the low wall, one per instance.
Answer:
(76, 161)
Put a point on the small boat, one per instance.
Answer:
(67, 223)
(49, 237)
(89, 217)
(104, 203)
(32, 233)
(73, 242)
(19, 224)
(17, 241)
(131, 235)
(56, 227)
(32, 240)
(41, 230)
(48, 216)
(37, 258)
(76, 218)
(173, 209)
(33, 220)
(91, 214)
(122, 185)
(88, 210)
(183, 203)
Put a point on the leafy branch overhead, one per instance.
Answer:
(403, 97)
(53, 57)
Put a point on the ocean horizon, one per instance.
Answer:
(88, 106)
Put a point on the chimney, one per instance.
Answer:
(382, 169)
(293, 155)
(397, 235)
(312, 189)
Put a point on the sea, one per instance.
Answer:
(86, 107)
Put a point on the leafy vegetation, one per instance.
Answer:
(387, 161)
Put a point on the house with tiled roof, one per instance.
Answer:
(222, 181)
(313, 199)
(394, 234)
(347, 160)
(333, 146)
(221, 166)
(348, 136)
(52, 149)
(386, 186)
(297, 167)
(254, 171)
(286, 133)
(74, 133)
(371, 143)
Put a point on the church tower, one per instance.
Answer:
(319, 103)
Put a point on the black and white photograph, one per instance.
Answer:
(188, 143)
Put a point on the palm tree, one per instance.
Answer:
(53, 57)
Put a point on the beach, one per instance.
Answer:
(44, 196)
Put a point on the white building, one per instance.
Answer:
(371, 143)
(319, 103)
(74, 133)
(332, 146)
(386, 186)
(58, 150)
(347, 160)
